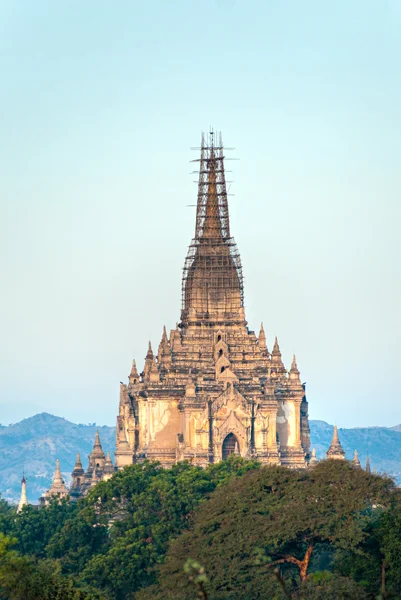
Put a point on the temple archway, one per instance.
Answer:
(230, 446)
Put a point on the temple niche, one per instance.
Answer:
(213, 389)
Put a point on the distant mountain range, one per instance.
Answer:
(32, 446)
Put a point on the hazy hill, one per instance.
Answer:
(35, 443)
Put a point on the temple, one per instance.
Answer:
(57, 488)
(100, 468)
(213, 388)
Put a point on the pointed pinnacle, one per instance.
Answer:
(134, 371)
(150, 351)
(335, 439)
(97, 439)
(276, 348)
(294, 366)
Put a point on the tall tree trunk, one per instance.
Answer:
(384, 578)
(304, 564)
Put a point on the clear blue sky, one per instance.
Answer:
(99, 104)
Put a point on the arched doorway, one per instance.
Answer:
(230, 446)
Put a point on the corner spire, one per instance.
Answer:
(134, 376)
(276, 347)
(148, 362)
(78, 463)
(108, 467)
(336, 450)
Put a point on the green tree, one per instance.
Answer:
(24, 578)
(7, 516)
(124, 527)
(35, 526)
(288, 515)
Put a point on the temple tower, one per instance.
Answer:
(213, 389)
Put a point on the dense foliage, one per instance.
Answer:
(231, 531)
(299, 521)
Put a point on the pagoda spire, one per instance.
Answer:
(212, 223)
(58, 486)
(164, 347)
(97, 456)
(212, 217)
(108, 467)
(148, 362)
(313, 459)
(134, 376)
(355, 460)
(276, 361)
(262, 336)
(336, 450)
(78, 463)
(58, 479)
(212, 285)
(23, 499)
(276, 354)
(294, 372)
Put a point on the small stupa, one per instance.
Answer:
(336, 450)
